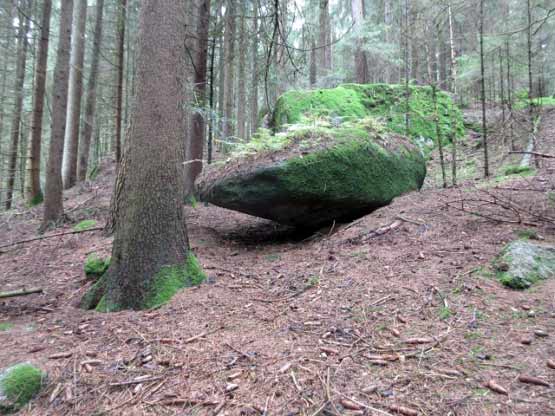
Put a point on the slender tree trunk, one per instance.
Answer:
(211, 102)
(529, 56)
(221, 73)
(439, 136)
(195, 149)
(407, 68)
(71, 141)
(150, 255)
(361, 61)
(255, 74)
(90, 104)
(33, 192)
(313, 65)
(229, 72)
(241, 85)
(483, 91)
(324, 54)
(18, 104)
(453, 88)
(53, 203)
(120, 55)
(4, 76)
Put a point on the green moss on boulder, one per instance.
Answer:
(382, 101)
(337, 173)
(523, 263)
(18, 385)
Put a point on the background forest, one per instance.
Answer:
(241, 56)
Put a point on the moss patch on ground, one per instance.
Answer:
(37, 200)
(5, 326)
(385, 102)
(18, 385)
(96, 266)
(518, 170)
(84, 225)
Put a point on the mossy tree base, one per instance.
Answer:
(18, 385)
(163, 286)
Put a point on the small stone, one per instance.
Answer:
(531, 314)
(231, 387)
(526, 341)
(525, 307)
(540, 333)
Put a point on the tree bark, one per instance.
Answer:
(75, 89)
(255, 70)
(229, 65)
(119, 76)
(18, 102)
(151, 244)
(53, 202)
(195, 148)
(33, 192)
(90, 105)
(313, 72)
(324, 51)
(483, 92)
(361, 61)
(241, 85)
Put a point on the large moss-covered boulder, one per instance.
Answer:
(383, 102)
(319, 175)
(523, 263)
(18, 385)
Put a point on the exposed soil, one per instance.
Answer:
(395, 313)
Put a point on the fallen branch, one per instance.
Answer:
(43, 237)
(547, 156)
(21, 292)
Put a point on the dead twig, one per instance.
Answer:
(20, 292)
(43, 237)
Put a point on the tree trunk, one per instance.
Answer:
(241, 85)
(453, 88)
(75, 88)
(119, 76)
(255, 74)
(361, 62)
(33, 192)
(90, 105)
(483, 91)
(18, 102)
(324, 34)
(313, 65)
(195, 148)
(150, 256)
(53, 203)
(229, 65)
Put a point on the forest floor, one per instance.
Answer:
(395, 313)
